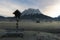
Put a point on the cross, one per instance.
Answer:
(17, 16)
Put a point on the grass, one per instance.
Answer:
(34, 35)
(30, 25)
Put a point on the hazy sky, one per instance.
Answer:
(47, 7)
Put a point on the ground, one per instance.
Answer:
(32, 30)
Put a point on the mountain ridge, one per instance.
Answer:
(31, 14)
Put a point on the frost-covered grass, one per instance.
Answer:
(31, 24)
(35, 35)
(32, 35)
(47, 36)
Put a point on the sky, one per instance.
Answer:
(47, 7)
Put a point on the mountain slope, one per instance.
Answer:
(34, 14)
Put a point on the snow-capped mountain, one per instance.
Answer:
(33, 14)
(31, 11)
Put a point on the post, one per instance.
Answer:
(17, 16)
(17, 24)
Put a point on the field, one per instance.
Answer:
(33, 30)
(30, 24)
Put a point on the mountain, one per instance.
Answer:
(31, 11)
(57, 18)
(34, 14)
(31, 14)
